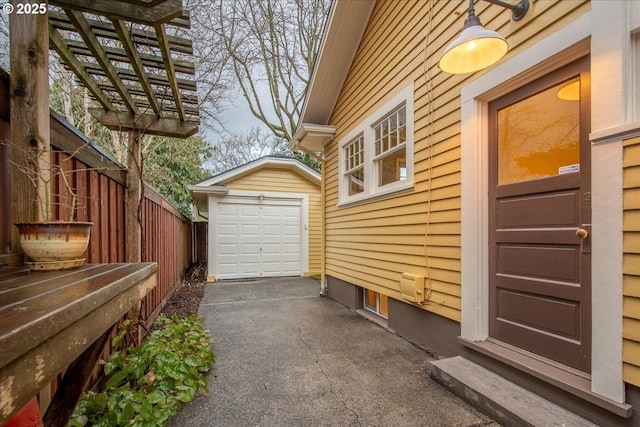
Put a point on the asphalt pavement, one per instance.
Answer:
(288, 357)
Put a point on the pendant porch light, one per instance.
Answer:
(476, 47)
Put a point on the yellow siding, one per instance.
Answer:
(631, 262)
(372, 243)
(278, 180)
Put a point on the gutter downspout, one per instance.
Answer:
(323, 276)
(294, 145)
(319, 136)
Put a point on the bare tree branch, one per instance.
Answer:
(271, 47)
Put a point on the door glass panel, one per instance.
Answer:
(538, 137)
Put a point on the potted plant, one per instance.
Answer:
(51, 244)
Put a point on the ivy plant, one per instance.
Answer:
(147, 385)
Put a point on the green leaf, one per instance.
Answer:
(186, 394)
(116, 378)
(127, 413)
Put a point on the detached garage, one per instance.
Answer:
(264, 219)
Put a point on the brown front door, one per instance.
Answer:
(540, 215)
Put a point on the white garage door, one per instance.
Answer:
(257, 238)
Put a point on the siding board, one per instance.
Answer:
(632, 195)
(631, 329)
(631, 373)
(631, 286)
(631, 261)
(631, 241)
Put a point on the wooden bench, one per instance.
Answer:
(52, 321)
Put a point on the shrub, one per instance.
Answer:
(147, 386)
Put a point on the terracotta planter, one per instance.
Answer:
(54, 245)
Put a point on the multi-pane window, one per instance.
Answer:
(376, 302)
(376, 157)
(390, 147)
(354, 165)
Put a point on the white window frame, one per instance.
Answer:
(371, 162)
(349, 169)
(367, 307)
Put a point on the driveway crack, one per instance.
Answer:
(324, 374)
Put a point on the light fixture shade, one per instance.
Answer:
(475, 49)
(570, 91)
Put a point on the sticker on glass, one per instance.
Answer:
(569, 169)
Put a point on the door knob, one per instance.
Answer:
(581, 233)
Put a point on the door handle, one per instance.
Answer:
(581, 233)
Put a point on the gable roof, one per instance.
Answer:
(216, 185)
(346, 24)
(274, 161)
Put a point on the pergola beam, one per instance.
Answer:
(136, 64)
(148, 124)
(83, 28)
(119, 55)
(72, 62)
(127, 11)
(160, 96)
(145, 3)
(168, 63)
(140, 37)
(126, 74)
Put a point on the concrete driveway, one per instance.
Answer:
(288, 357)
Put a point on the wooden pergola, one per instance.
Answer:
(134, 60)
(121, 52)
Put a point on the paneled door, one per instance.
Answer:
(257, 237)
(540, 217)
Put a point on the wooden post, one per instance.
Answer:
(5, 168)
(73, 383)
(134, 198)
(29, 92)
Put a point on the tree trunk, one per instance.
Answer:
(66, 96)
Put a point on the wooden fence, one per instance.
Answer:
(168, 240)
(100, 183)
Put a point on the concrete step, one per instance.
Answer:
(505, 402)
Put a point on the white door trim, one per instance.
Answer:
(212, 265)
(583, 36)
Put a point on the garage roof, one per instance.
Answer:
(216, 184)
(282, 162)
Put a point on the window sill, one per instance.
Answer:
(375, 318)
(567, 379)
(361, 199)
